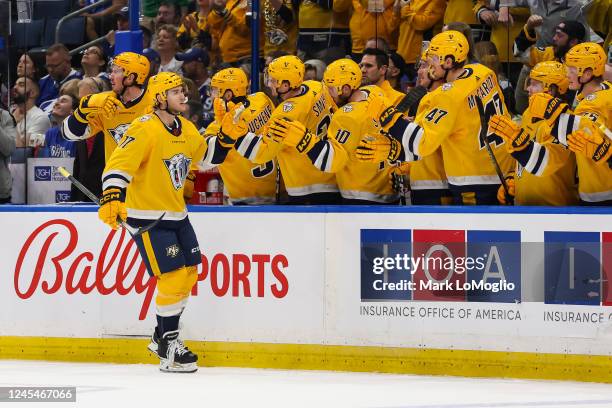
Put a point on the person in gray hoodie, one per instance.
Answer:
(7, 146)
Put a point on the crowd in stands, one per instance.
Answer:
(195, 39)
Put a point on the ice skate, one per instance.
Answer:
(174, 355)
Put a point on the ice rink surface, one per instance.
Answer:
(114, 385)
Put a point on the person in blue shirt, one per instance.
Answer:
(60, 71)
(195, 66)
(55, 145)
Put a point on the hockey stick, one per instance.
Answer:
(483, 138)
(414, 96)
(134, 232)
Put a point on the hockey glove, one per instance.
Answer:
(233, 126)
(90, 106)
(593, 145)
(388, 117)
(292, 133)
(112, 207)
(502, 197)
(189, 186)
(377, 148)
(517, 138)
(545, 106)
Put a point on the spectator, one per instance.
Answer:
(93, 62)
(55, 145)
(154, 60)
(123, 24)
(378, 42)
(230, 30)
(372, 20)
(103, 19)
(195, 66)
(323, 29)
(599, 18)
(70, 88)
(26, 67)
(168, 13)
(193, 30)
(167, 46)
(7, 146)
(374, 65)
(280, 26)
(396, 71)
(32, 122)
(549, 13)
(415, 18)
(90, 85)
(466, 11)
(314, 69)
(59, 71)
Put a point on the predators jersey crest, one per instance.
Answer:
(178, 168)
(118, 132)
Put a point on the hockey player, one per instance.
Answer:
(452, 123)
(552, 180)
(428, 183)
(112, 112)
(306, 102)
(143, 179)
(359, 183)
(589, 121)
(246, 183)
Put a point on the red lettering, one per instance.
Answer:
(214, 275)
(261, 261)
(70, 276)
(280, 292)
(241, 267)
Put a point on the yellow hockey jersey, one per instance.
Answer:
(453, 123)
(428, 173)
(231, 31)
(548, 179)
(152, 163)
(113, 127)
(394, 96)
(541, 54)
(313, 107)
(594, 181)
(249, 183)
(356, 180)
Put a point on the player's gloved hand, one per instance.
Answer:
(516, 137)
(502, 197)
(112, 207)
(189, 186)
(292, 133)
(594, 145)
(388, 117)
(233, 126)
(90, 106)
(545, 106)
(377, 148)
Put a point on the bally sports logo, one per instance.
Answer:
(53, 260)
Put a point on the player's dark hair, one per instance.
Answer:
(381, 57)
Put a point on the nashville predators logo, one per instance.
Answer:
(117, 133)
(173, 251)
(178, 168)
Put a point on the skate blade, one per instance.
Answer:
(165, 367)
(153, 348)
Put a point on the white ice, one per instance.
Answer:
(114, 385)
